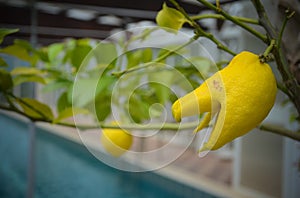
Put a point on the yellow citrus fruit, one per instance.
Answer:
(116, 141)
(239, 97)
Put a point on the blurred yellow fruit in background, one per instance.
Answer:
(116, 141)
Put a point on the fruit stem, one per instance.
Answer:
(267, 56)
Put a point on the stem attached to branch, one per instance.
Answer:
(267, 56)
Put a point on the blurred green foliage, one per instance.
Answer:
(81, 73)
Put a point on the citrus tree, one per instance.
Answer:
(84, 74)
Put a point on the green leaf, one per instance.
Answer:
(161, 81)
(104, 83)
(83, 91)
(26, 71)
(27, 74)
(63, 102)
(24, 44)
(105, 53)
(70, 45)
(79, 53)
(147, 55)
(67, 56)
(102, 106)
(89, 88)
(35, 109)
(56, 85)
(202, 65)
(54, 50)
(28, 78)
(138, 109)
(58, 74)
(5, 31)
(6, 82)
(162, 52)
(162, 92)
(69, 112)
(19, 52)
(3, 63)
(29, 48)
(42, 54)
(170, 18)
(83, 41)
(134, 58)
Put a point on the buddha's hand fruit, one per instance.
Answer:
(239, 97)
(116, 141)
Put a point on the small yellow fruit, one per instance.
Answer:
(170, 18)
(240, 97)
(116, 141)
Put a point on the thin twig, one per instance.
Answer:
(11, 104)
(200, 32)
(164, 126)
(15, 110)
(269, 48)
(219, 16)
(280, 131)
(234, 20)
(157, 60)
(40, 113)
(264, 19)
(159, 126)
(286, 18)
(282, 88)
(267, 56)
